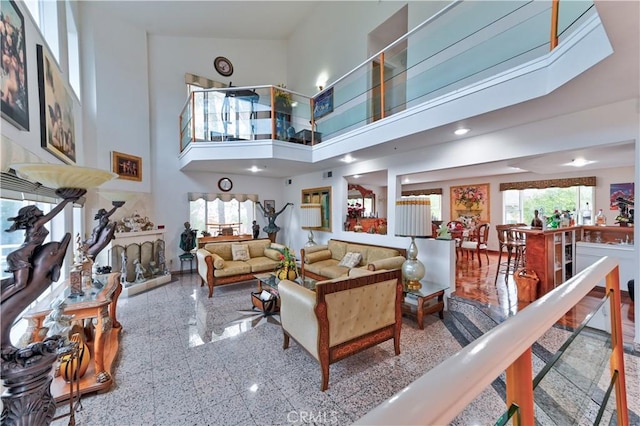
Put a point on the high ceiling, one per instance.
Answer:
(614, 79)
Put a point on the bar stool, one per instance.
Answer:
(514, 248)
(186, 257)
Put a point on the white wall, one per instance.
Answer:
(255, 63)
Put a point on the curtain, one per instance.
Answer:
(549, 183)
(436, 191)
(224, 196)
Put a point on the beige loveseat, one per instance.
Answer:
(216, 265)
(342, 316)
(323, 261)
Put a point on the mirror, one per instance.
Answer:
(320, 196)
(366, 203)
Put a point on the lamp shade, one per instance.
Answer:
(310, 215)
(413, 217)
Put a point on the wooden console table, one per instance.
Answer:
(429, 299)
(98, 304)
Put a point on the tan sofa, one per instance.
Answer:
(216, 265)
(342, 316)
(322, 262)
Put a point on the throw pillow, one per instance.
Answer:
(240, 252)
(351, 259)
(277, 246)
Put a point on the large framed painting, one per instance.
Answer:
(57, 124)
(621, 190)
(470, 203)
(323, 104)
(13, 79)
(126, 166)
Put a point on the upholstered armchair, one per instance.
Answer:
(342, 316)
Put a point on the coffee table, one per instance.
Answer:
(269, 282)
(427, 300)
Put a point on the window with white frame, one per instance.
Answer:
(519, 205)
(213, 214)
(73, 50)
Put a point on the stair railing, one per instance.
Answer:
(444, 391)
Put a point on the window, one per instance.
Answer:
(73, 53)
(207, 215)
(520, 204)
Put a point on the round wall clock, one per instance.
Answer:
(223, 66)
(225, 184)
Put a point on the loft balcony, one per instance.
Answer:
(468, 59)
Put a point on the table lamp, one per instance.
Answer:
(413, 219)
(310, 217)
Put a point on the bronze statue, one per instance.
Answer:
(188, 238)
(272, 229)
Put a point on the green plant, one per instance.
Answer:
(282, 98)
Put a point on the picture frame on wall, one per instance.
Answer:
(268, 205)
(13, 79)
(470, 203)
(57, 123)
(126, 166)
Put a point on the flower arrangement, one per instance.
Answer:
(355, 210)
(287, 259)
(469, 196)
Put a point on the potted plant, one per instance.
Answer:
(282, 100)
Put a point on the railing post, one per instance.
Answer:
(520, 388)
(382, 85)
(273, 113)
(312, 103)
(555, 7)
(616, 362)
(193, 117)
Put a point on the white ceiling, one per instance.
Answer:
(614, 79)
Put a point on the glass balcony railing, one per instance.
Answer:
(463, 44)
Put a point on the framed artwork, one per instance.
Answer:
(470, 203)
(268, 205)
(57, 124)
(624, 190)
(127, 167)
(13, 79)
(323, 104)
(323, 197)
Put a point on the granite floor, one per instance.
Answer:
(190, 360)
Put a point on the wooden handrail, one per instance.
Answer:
(467, 373)
(553, 38)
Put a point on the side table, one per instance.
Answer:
(418, 303)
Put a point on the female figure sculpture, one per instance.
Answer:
(272, 229)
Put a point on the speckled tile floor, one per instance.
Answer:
(190, 360)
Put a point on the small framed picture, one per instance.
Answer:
(127, 167)
(268, 205)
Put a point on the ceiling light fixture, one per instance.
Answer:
(348, 159)
(356, 176)
(461, 132)
(254, 169)
(578, 162)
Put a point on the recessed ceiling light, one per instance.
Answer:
(461, 132)
(578, 162)
(254, 169)
(356, 176)
(348, 159)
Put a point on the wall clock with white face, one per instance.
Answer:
(223, 66)
(225, 184)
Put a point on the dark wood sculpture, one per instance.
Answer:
(103, 233)
(26, 372)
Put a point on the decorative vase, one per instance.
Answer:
(286, 273)
(68, 365)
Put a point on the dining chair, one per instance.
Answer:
(512, 241)
(457, 230)
(477, 242)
